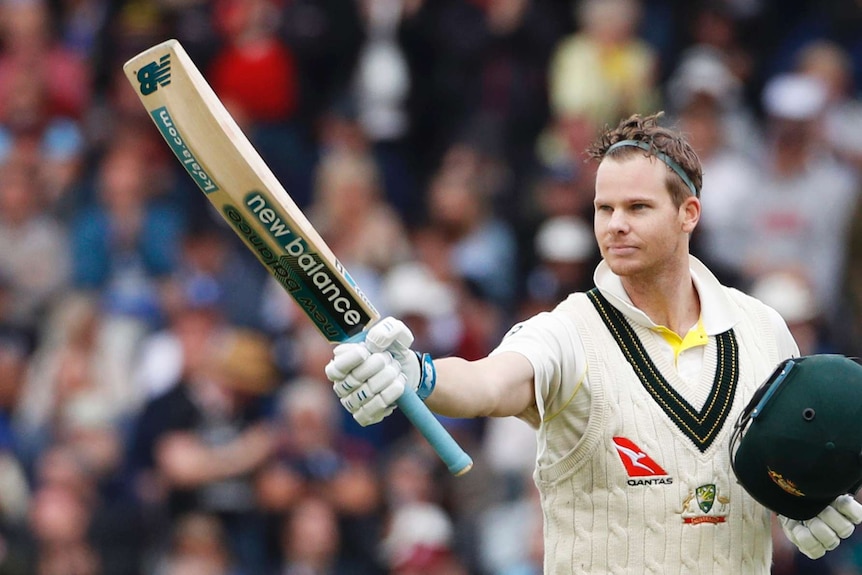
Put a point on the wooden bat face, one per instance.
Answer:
(227, 168)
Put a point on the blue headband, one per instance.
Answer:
(661, 156)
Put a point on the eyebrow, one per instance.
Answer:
(633, 200)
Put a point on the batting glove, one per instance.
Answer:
(371, 375)
(814, 537)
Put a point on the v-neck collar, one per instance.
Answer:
(701, 426)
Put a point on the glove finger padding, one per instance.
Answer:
(368, 368)
(393, 336)
(803, 538)
(381, 404)
(823, 532)
(346, 386)
(837, 522)
(388, 332)
(347, 357)
(371, 387)
(375, 363)
(847, 506)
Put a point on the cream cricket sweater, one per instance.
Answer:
(638, 479)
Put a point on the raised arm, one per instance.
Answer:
(494, 386)
(369, 376)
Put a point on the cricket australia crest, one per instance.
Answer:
(705, 504)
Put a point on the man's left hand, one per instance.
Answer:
(815, 536)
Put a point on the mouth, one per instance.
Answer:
(620, 250)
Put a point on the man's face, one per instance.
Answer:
(639, 230)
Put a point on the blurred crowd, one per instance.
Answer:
(163, 409)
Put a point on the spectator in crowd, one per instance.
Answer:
(412, 290)
(705, 72)
(211, 255)
(381, 90)
(320, 453)
(717, 31)
(506, 77)
(800, 214)
(255, 72)
(127, 242)
(35, 258)
(792, 296)
(382, 82)
(82, 516)
(194, 319)
(60, 520)
(481, 243)
(603, 70)
(31, 47)
(74, 367)
(842, 118)
(325, 38)
(351, 213)
(454, 313)
(196, 447)
(512, 535)
(564, 256)
(561, 190)
(310, 542)
(198, 546)
(327, 461)
(419, 541)
(34, 138)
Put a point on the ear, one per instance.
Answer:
(689, 213)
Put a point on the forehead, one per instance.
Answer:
(633, 174)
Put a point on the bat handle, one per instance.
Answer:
(455, 458)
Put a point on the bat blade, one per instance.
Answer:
(225, 166)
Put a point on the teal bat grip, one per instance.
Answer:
(455, 458)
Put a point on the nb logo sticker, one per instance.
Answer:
(154, 75)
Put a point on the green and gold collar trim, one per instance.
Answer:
(700, 426)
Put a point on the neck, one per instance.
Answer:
(669, 300)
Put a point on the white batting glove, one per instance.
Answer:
(371, 375)
(814, 537)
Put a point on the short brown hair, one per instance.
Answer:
(661, 140)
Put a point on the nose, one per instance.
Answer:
(617, 222)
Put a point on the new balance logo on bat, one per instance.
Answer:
(330, 297)
(639, 464)
(155, 74)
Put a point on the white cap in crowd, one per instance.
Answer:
(794, 97)
(411, 289)
(788, 294)
(703, 72)
(565, 239)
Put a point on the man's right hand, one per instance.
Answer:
(371, 375)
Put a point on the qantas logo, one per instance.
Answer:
(639, 465)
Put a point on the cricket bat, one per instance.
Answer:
(223, 163)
